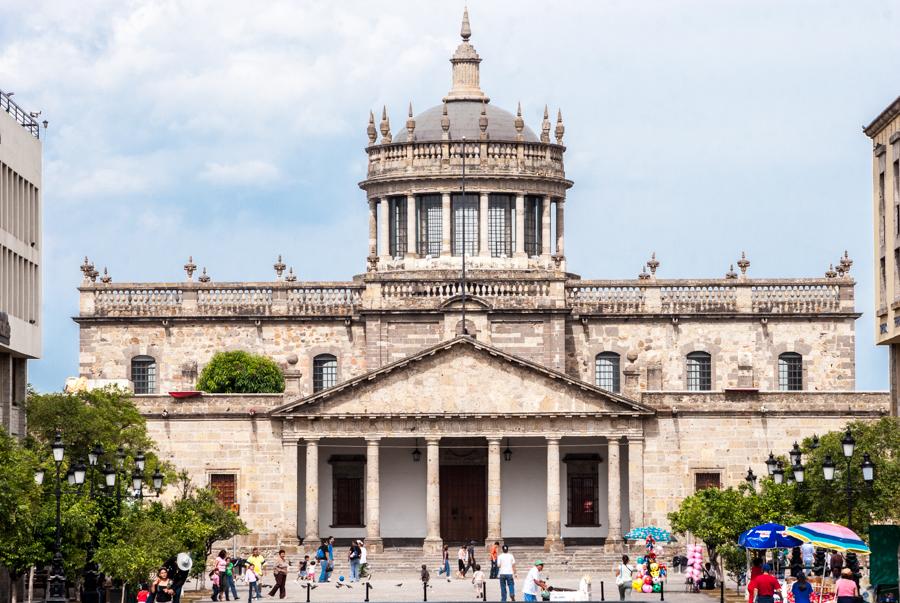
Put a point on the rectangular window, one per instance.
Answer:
(883, 282)
(500, 225)
(532, 226)
(583, 489)
(702, 481)
(790, 372)
(397, 230)
(430, 225)
(699, 372)
(143, 375)
(225, 487)
(348, 481)
(464, 224)
(606, 371)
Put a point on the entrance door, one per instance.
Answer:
(463, 503)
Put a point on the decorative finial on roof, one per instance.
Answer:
(445, 123)
(291, 277)
(545, 126)
(560, 128)
(653, 264)
(731, 274)
(279, 267)
(106, 278)
(465, 31)
(483, 121)
(385, 127)
(190, 268)
(370, 130)
(830, 273)
(519, 123)
(743, 264)
(846, 262)
(204, 278)
(410, 125)
(87, 268)
(643, 275)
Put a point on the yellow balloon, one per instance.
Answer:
(637, 584)
(654, 567)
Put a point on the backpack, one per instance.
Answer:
(320, 554)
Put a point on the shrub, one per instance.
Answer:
(241, 373)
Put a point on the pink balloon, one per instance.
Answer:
(647, 588)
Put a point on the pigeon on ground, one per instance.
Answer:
(399, 585)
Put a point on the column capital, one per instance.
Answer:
(553, 439)
(312, 439)
(433, 440)
(495, 439)
(372, 439)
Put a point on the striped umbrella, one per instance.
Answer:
(829, 536)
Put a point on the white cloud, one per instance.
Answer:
(252, 172)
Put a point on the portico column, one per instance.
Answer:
(560, 227)
(373, 228)
(545, 225)
(614, 509)
(312, 491)
(483, 226)
(290, 478)
(384, 229)
(433, 497)
(520, 226)
(493, 490)
(636, 481)
(373, 496)
(411, 226)
(554, 541)
(445, 224)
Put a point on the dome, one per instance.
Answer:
(464, 116)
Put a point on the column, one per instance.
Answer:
(636, 481)
(290, 481)
(312, 492)
(554, 541)
(384, 220)
(483, 250)
(373, 496)
(411, 226)
(560, 227)
(613, 504)
(373, 228)
(493, 490)
(445, 224)
(545, 225)
(520, 226)
(433, 497)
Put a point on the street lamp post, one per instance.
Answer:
(56, 581)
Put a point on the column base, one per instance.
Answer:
(554, 544)
(374, 545)
(432, 545)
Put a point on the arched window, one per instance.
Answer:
(606, 371)
(699, 372)
(790, 372)
(324, 372)
(143, 374)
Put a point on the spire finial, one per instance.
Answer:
(483, 121)
(279, 267)
(385, 127)
(653, 264)
(445, 123)
(519, 123)
(560, 127)
(545, 126)
(370, 130)
(106, 278)
(190, 268)
(830, 273)
(465, 30)
(731, 274)
(845, 263)
(410, 125)
(743, 264)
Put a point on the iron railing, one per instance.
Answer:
(20, 115)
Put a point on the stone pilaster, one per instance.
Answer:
(384, 222)
(554, 541)
(373, 228)
(373, 497)
(483, 249)
(445, 224)
(560, 227)
(614, 503)
(411, 250)
(290, 480)
(433, 541)
(312, 492)
(636, 481)
(545, 225)
(520, 226)
(493, 490)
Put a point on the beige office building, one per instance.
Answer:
(20, 257)
(885, 134)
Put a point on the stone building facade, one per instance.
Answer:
(467, 385)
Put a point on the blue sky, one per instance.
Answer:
(234, 131)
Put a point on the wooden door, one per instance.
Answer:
(463, 503)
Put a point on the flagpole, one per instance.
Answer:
(465, 331)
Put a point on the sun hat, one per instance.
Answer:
(539, 562)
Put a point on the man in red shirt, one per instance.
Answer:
(763, 587)
(495, 551)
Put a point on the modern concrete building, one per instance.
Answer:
(20, 257)
(885, 134)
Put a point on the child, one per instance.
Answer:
(311, 570)
(214, 579)
(478, 581)
(425, 575)
(304, 568)
(250, 578)
(143, 593)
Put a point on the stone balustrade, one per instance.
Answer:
(742, 401)
(482, 157)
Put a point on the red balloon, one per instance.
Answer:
(648, 580)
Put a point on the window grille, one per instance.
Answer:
(143, 374)
(324, 372)
(397, 234)
(500, 225)
(702, 481)
(465, 222)
(532, 226)
(225, 487)
(607, 371)
(790, 372)
(699, 372)
(430, 225)
(348, 497)
(583, 491)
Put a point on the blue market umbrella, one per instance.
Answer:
(659, 534)
(768, 536)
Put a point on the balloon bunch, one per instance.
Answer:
(649, 574)
(695, 562)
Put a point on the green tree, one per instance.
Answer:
(199, 520)
(241, 373)
(137, 544)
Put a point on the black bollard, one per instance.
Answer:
(308, 588)
(662, 591)
(368, 586)
(484, 591)
(721, 591)
(602, 594)
(424, 591)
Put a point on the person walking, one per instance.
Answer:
(363, 559)
(221, 576)
(470, 556)
(161, 589)
(801, 589)
(353, 558)
(229, 578)
(281, 571)
(763, 587)
(322, 558)
(461, 557)
(624, 575)
(845, 589)
(534, 584)
(478, 581)
(256, 561)
(445, 562)
(329, 567)
(836, 564)
(506, 572)
(214, 580)
(495, 552)
(252, 580)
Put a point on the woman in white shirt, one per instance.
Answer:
(623, 577)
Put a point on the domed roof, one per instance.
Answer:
(464, 116)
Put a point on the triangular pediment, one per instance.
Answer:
(462, 377)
